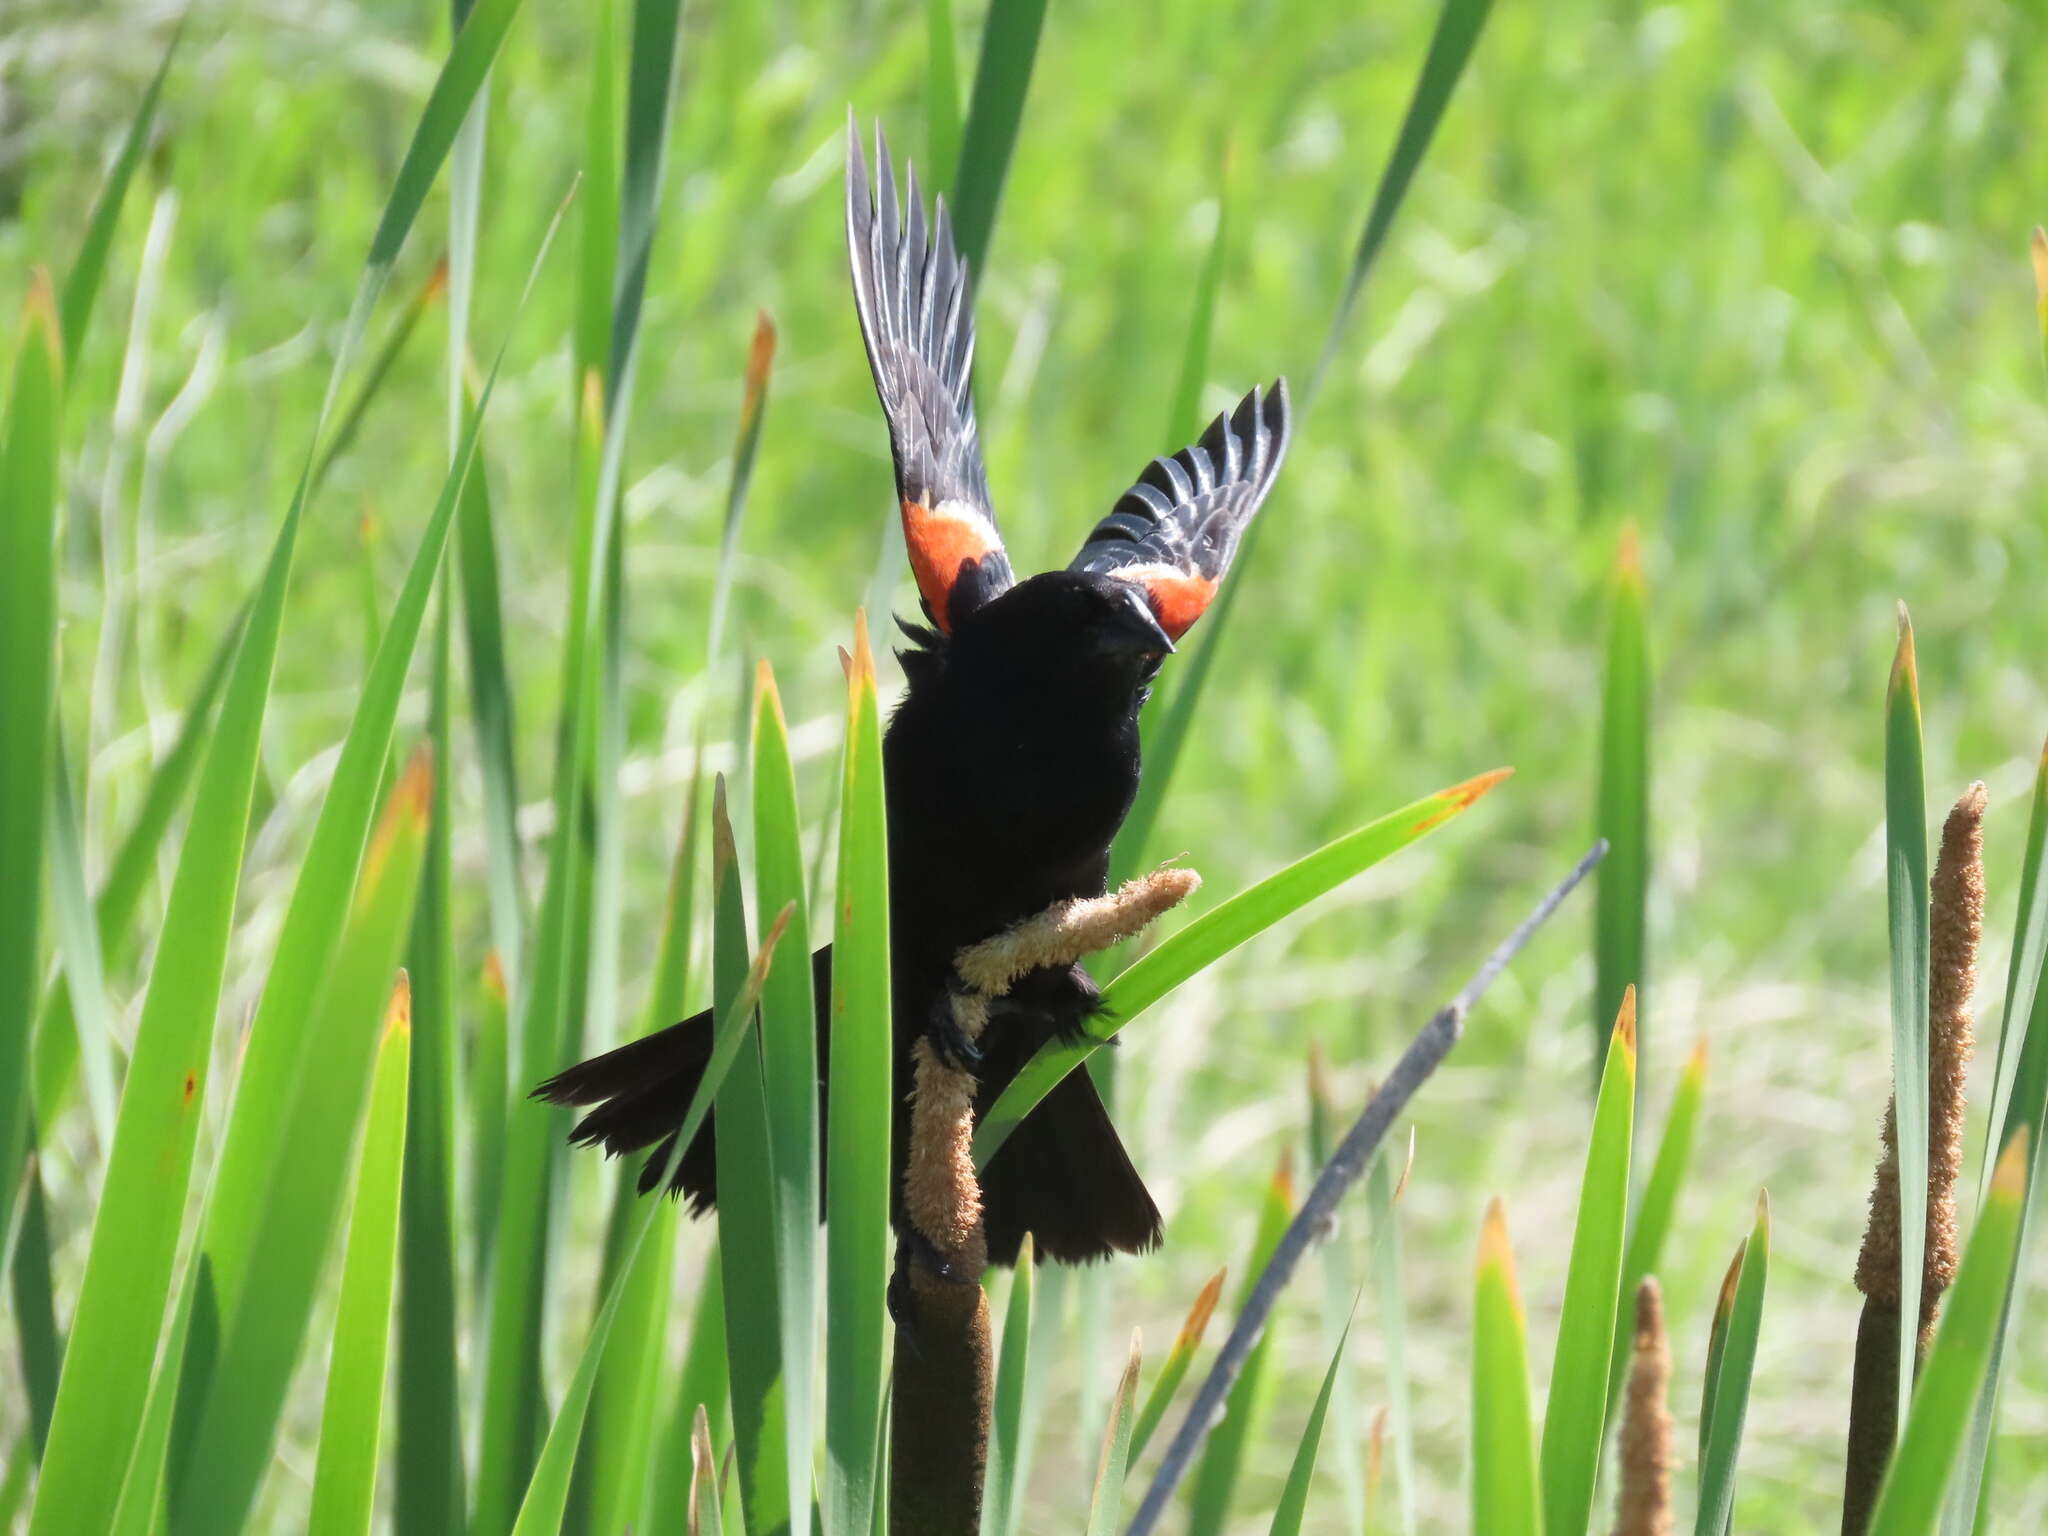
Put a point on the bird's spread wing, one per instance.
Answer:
(917, 318)
(1175, 532)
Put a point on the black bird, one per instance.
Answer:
(1012, 758)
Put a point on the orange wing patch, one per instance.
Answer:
(941, 539)
(1177, 597)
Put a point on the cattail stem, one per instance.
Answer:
(1956, 923)
(945, 1373)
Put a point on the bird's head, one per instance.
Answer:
(1076, 634)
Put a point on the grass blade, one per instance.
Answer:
(1106, 1497)
(78, 943)
(1905, 808)
(1001, 1493)
(279, 1050)
(858, 1128)
(789, 1074)
(1214, 934)
(1294, 1494)
(350, 419)
(1009, 46)
(1223, 1457)
(747, 1229)
(35, 1311)
(121, 1303)
(428, 1495)
(1574, 1418)
(1424, 1054)
(547, 1495)
(214, 1480)
(701, 1388)
(28, 686)
(345, 1475)
(705, 1515)
(1174, 1369)
(1652, 1221)
(1910, 1502)
(2019, 1104)
(1731, 1359)
(1623, 807)
(1458, 26)
(941, 94)
(1341, 1291)
(1506, 1497)
(1382, 1198)
(89, 267)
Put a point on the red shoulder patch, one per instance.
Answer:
(941, 539)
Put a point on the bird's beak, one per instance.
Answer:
(1141, 630)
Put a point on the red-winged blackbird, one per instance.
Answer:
(1011, 760)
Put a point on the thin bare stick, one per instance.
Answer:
(1424, 1055)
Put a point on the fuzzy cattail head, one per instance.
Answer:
(1644, 1505)
(1956, 924)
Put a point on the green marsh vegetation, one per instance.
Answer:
(401, 496)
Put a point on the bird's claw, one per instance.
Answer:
(948, 1041)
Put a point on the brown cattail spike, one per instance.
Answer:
(1643, 1507)
(1956, 918)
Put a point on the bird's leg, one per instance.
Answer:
(913, 1247)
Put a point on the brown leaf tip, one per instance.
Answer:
(1496, 1248)
(1197, 1321)
(398, 1011)
(494, 977)
(1724, 1304)
(2009, 1178)
(2037, 248)
(1625, 1021)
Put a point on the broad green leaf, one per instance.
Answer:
(1106, 1497)
(1174, 1369)
(345, 1473)
(1574, 1417)
(1223, 1455)
(427, 1494)
(215, 1476)
(1506, 1496)
(1001, 1490)
(1622, 815)
(140, 1510)
(858, 1128)
(1294, 1493)
(1009, 46)
(547, 1494)
(1652, 1221)
(1214, 934)
(1910, 1501)
(28, 685)
(789, 1074)
(1905, 821)
(1732, 1358)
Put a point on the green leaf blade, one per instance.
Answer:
(345, 1474)
(1506, 1493)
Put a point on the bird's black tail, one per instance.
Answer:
(1063, 1175)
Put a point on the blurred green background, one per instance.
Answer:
(1752, 277)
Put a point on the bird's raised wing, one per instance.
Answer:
(1175, 532)
(917, 318)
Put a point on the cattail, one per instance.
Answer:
(1644, 1505)
(943, 1395)
(1956, 923)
